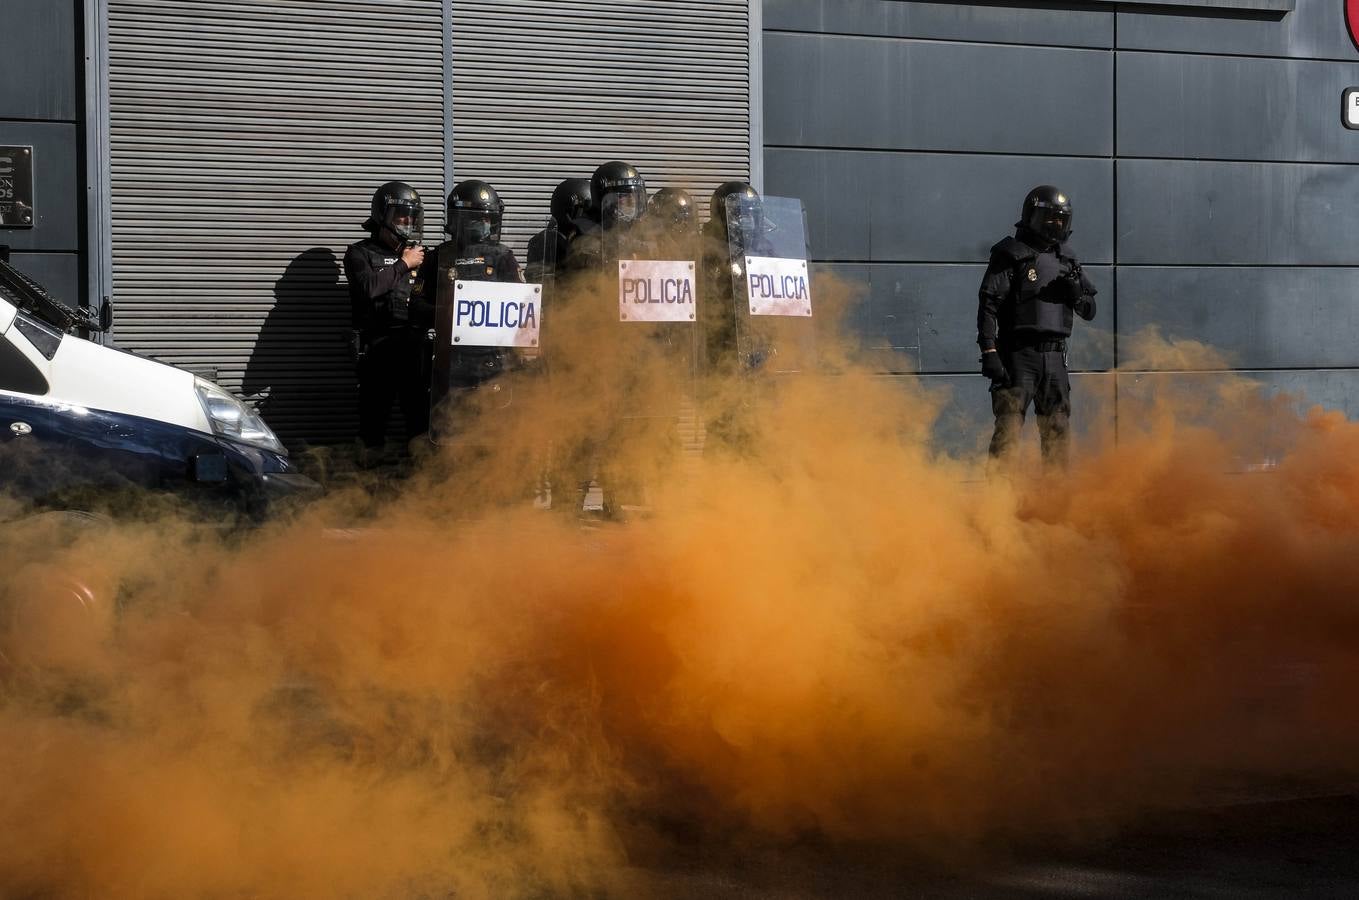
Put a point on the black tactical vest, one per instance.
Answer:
(392, 308)
(1037, 301)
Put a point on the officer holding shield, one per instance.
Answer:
(723, 264)
(570, 207)
(472, 253)
(1032, 288)
(617, 202)
(391, 311)
(671, 223)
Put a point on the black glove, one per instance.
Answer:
(1071, 281)
(993, 368)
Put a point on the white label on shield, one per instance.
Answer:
(778, 287)
(496, 314)
(651, 290)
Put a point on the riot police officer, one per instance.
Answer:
(391, 312)
(1032, 288)
(720, 266)
(674, 207)
(672, 225)
(570, 207)
(617, 202)
(715, 229)
(472, 253)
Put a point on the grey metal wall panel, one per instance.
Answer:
(1261, 318)
(964, 424)
(1315, 29)
(1244, 405)
(58, 272)
(551, 90)
(1209, 213)
(1027, 23)
(38, 61)
(1178, 105)
(57, 175)
(923, 318)
(1331, 389)
(830, 90)
(1253, 256)
(247, 137)
(933, 207)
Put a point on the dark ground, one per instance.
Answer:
(1292, 848)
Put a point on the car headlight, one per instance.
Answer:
(231, 418)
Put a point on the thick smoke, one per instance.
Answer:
(819, 627)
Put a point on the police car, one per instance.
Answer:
(79, 420)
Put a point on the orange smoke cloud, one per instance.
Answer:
(819, 626)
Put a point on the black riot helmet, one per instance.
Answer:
(475, 211)
(571, 201)
(617, 194)
(717, 206)
(397, 216)
(672, 209)
(1047, 214)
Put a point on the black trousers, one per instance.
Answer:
(394, 368)
(1038, 376)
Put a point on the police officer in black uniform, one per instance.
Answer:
(715, 229)
(617, 202)
(472, 253)
(1032, 288)
(570, 208)
(672, 225)
(720, 266)
(391, 312)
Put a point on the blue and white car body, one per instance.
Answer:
(78, 417)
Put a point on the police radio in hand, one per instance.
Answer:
(1073, 278)
(413, 255)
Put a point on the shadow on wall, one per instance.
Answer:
(300, 376)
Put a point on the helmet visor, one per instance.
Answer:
(1051, 222)
(405, 219)
(671, 214)
(623, 206)
(475, 226)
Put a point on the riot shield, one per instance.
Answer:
(653, 356)
(487, 318)
(771, 285)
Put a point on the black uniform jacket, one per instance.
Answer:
(1028, 289)
(382, 293)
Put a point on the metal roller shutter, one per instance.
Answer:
(246, 139)
(545, 91)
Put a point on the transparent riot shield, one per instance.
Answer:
(658, 298)
(771, 285)
(488, 319)
(653, 356)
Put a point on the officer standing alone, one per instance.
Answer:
(1032, 289)
(391, 312)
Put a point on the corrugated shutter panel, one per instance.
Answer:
(546, 91)
(247, 137)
